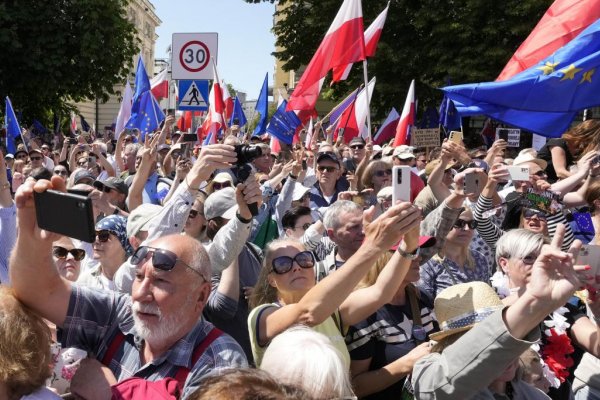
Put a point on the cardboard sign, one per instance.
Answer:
(425, 137)
(511, 136)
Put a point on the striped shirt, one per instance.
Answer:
(94, 317)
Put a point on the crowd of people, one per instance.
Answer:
(228, 271)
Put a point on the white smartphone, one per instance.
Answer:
(471, 183)
(518, 173)
(589, 255)
(400, 183)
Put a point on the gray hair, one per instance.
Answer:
(518, 243)
(132, 148)
(303, 357)
(200, 261)
(331, 218)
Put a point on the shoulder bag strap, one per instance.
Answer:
(183, 372)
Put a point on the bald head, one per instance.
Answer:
(188, 250)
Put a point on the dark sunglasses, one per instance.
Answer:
(61, 252)
(357, 146)
(219, 185)
(529, 213)
(21, 156)
(540, 174)
(193, 214)
(35, 158)
(304, 227)
(60, 172)
(284, 264)
(323, 168)
(162, 259)
(461, 223)
(382, 173)
(103, 236)
(529, 259)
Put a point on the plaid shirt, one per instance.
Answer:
(94, 317)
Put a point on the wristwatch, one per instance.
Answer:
(117, 211)
(410, 256)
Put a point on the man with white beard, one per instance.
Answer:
(155, 333)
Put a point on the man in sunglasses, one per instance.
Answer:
(329, 181)
(153, 333)
(357, 152)
(111, 195)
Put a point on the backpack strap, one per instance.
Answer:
(113, 347)
(183, 372)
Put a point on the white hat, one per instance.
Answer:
(404, 152)
(299, 191)
(528, 157)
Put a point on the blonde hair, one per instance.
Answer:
(366, 181)
(24, 347)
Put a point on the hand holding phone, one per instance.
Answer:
(518, 173)
(456, 137)
(65, 213)
(471, 183)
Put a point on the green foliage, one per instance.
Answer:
(430, 41)
(62, 51)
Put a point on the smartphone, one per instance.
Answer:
(190, 137)
(71, 140)
(456, 137)
(471, 183)
(503, 134)
(65, 213)
(185, 150)
(171, 111)
(518, 173)
(304, 165)
(400, 183)
(589, 255)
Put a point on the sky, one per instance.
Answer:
(245, 38)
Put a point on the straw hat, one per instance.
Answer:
(528, 157)
(461, 306)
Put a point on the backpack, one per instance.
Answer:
(168, 388)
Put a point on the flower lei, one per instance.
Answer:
(554, 356)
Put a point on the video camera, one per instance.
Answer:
(245, 155)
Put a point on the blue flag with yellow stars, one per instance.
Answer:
(13, 131)
(148, 117)
(544, 98)
(283, 124)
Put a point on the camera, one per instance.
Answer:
(247, 153)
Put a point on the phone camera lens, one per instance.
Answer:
(81, 204)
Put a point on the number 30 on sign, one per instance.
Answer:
(192, 53)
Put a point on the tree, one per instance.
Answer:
(63, 51)
(431, 41)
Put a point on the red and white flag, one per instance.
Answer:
(388, 128)
(343, 44)
(73, 124)
(124, 110)
(159, 85)
(407, 119)
(227, 101)
(309, 134)
(216, 106)
(372, 35)
(353, 119)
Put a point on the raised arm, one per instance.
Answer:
(119, 152)
(149, 155)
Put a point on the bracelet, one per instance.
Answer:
(188, 185)
(242, 219)
(294, 177)
(117, 211)
(4, 186)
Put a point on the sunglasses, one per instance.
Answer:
(162, 259)
(35, 158)
(382, 173)
(323, 168)
(219, 185)
(461, 223)
(422, 160)
(528, 213)
(357, 146)
(21, 156)
(529, 259)
(60, 172)
(284, 264)
(103, 236)
(304, 227)
(61, 252)
(540, 174)
(194, 213)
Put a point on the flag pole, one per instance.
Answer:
(367, 100)
(218, 83)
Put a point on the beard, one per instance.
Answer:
(167, 327)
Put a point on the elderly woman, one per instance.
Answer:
(195, 225)
(385, 346)
(67, 258)
(286, 293)
(377, 175)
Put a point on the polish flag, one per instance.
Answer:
(159, 85)
(407, 119)
(227, 101)
(216, 107)
(343, 44)
(353, 119)
(124, 110)
(388, 128)
(73, 125)
(564, 20)
(309, 134)
(275, 145)
(372, 35)
(185, 122)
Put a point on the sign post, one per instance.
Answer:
(191, 55)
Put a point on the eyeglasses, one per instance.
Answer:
(194, 213)
(383, 172)
(284, 264)
(35, 158)
(461, 223)
(529, 259)
(423, 160)
(162, 259)
(61, 252)
(21, 156)
(540, 174)
(81, 163)
(304, 227)
(45, 148)
(60, 172)
(322, 168)
(529, 213)
(103, 236)
(219, 185)
(357, 146)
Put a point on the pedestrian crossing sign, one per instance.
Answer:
(193, 95)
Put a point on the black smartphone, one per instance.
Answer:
(65, 213)
(503, 134)
(304, 165)
(190, 137)
(71, 141)
(185, 150)
(171, 111)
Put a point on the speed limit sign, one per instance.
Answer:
(191, 55)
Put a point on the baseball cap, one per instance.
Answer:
(424, 241)
(9, 155)
(328, 155)
(356, 140)
(82, 174)
(35, 151)
(404, 152)
(113, 183)
(221, 204)
(140, 217)
(299, 191)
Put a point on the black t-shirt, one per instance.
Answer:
(546, 155)
(387, 335)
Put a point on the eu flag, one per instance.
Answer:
(148, 117)
(238, 113)
(142, 84)
(13, 131)
(449, 117)
(262, 106)
(283, 124)
(544, 98)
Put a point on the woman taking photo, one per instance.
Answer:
(286, 293)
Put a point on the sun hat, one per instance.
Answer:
(433, 164)
(221, 203)
(140, 217)
(404, 152)
(459, 307)
(524, 157)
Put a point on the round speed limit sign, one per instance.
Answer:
(194, 56)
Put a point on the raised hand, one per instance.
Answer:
(389, 227)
